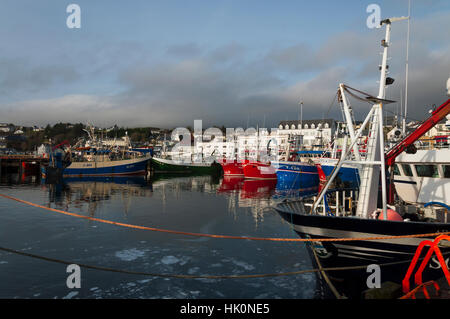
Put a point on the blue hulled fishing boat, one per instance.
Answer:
(96, 157)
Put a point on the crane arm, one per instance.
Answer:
(60, 144)
(436, 116)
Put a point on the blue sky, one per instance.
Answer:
(166, 63)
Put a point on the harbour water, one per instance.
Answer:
(200, 204)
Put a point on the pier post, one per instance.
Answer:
(337, 203)
(343, 200)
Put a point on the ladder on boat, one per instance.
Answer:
(369, 174)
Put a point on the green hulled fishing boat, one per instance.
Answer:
(162, 165)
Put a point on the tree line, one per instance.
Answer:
(57, 133)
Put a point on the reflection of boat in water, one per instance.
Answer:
(258, 188)
(231, 184)
(176, 183)
(269, 189)
(93, 190)
(128, 180)
(287, 189)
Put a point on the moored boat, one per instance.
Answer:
(165, 165)
(132, 166)
(296, 174)
(259, 170)
(369, 231)
(392, 255)
(94, 157)
(232, 168)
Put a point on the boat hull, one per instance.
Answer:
(296, 175)
(136, 166)
(258, 170)
(159, 165)
(233, 168)
(392, 255)
(347, 177)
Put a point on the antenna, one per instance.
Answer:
(301, 113)
(406, 71)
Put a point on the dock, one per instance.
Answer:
(20, 163)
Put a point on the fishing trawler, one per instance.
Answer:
(167, 165)
(182, 162)
(369, 217)
(94, 157)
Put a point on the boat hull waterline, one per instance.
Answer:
(296, 175)
(159, 165)
(233, 168)
(259, 170)
(395, 253)
(137, 166)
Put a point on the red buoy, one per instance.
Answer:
(391, 215)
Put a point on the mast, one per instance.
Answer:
(375, 148)
(382, 95)
(349, 119)
(374, 163)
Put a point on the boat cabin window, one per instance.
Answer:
(396, 169)
(427, 170)
(407, 170)
(446, 169)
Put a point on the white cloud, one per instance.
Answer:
(228, 84)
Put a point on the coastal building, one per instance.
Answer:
(316, 133)
(6, 128)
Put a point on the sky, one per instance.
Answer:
(232, 63)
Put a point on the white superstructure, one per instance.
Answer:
(423, 177)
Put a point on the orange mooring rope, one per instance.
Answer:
(218, 236)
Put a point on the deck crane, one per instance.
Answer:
(436, 116)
